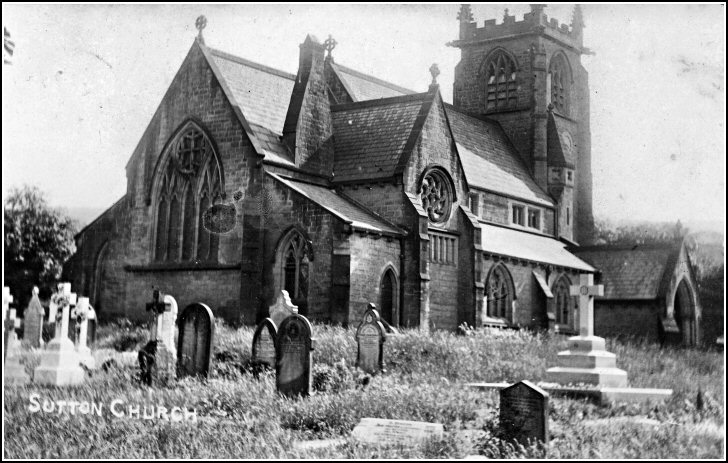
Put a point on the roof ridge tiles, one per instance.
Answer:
(414, 97)
(371, 78)
(253, 64)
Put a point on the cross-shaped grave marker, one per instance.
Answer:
(64, 298)
(586, 290)
(9, 321)
(82, 313)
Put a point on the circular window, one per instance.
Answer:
(436, 196)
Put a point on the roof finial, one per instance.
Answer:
(329, 45)
(200, 23)
(505, 14)
(435, 71)
(465, 15)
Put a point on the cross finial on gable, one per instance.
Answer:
(434, 71)
(329, 45)
(200, 23)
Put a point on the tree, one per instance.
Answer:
(38, 240)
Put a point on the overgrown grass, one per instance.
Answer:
(243, 417)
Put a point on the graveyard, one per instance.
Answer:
(187, 385)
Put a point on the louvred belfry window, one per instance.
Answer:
(190, 183)
(501, 76)
(560, 79)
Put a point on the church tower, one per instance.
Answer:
(528, 76)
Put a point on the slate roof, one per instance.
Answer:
(632, 272)
(490, 160)
(536, 248)
(362, 87)
(553, 144)
(370, 137)
(344, 208)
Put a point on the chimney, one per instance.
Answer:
(308, 130)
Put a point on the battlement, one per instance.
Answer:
(533, 22)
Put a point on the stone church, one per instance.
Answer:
(344, 189)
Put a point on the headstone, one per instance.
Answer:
(92, 320)
(81, 314)
(294, 347)
(195, 341)
(399, 432)
(264, 344)
(59, 362)
(586, 360)
(14, 371)
(282, 308)
(524, 413)
(34, 313)
(53, 314)
(157, 359)
(370, 337)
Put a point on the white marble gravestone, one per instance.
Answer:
(586, 360)
(282, 308)
(82, 313)
(34, 314)
(59, 362)
(14, 371)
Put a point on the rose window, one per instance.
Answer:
(435, 196)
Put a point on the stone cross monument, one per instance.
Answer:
(59, 362)
(157, 359)
(14, 371)
(81, 314)
(586, 360)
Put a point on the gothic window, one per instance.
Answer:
(563, 302)
(500, 293)
(436, 195)
(188, 184)
(501, 82)
(559, 80)
(296, 260)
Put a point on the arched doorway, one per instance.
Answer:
(684, 312)
(388, 297)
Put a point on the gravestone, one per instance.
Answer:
(157, 359)
(59, 362)
(34, 313)
(524, 413)
(586, 360)
(370, 337)
(14, 371)
(264, 344)
(53, 314)
(282, 308)
(195, 341)
(92, 320)
(294, 347)
(81, 314)
(398, 432)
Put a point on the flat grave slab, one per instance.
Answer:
(398, 432)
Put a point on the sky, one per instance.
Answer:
(85, 81)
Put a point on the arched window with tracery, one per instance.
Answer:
(501, 82)
(189, 182)
(559, 83)
(564, 303)
(295, 261)
(499, 291)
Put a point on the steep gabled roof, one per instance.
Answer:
(490, 160)
(342, 207)
(361, 87)
(634, 272)
(371, 137)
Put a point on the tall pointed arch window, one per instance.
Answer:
(564, 303)
(295, 261)
(501, 78)
(559, 83)
(499, 291)
(189, 182)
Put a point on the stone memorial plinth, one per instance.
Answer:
(395, 432)
(264, 344)
(158, 358)
(294, 347)
(370, 337)
(34, 313)
(195, 341)
(282, 308)
(59, 362)
(524, 413)
(586, 361)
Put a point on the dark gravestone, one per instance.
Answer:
(293, 356)
(194, 345)
(524, 413)
(370, 337)
(264, 344)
